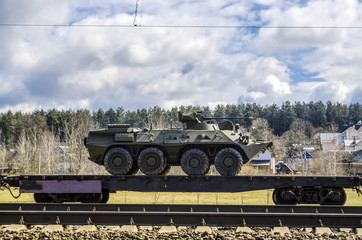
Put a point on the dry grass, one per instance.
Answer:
(261, 197)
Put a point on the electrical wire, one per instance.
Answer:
(135, 14)
(3, 184)
(175, 26)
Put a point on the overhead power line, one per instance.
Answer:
(135, 14)
(173, 26)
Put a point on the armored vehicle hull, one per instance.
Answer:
(125, 150)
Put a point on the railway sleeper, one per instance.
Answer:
(309, 195)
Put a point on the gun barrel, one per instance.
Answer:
(211, 118)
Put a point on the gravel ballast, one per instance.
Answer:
(103, 232)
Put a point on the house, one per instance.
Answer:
(326, 141)
(357, 126)
(355, 164)
(264, 161)
(357, 157)
(349, 140)
(62, 149)
(302, 158)
(306, 155)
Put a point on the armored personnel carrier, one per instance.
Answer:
(123, 150)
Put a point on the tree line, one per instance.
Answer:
(321, 115)
(51, 142)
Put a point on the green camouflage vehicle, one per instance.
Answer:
(123, 150)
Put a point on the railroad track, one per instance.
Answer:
(181, 215)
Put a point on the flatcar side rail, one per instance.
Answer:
(179, 183)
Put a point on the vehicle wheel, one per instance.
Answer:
(151, 161)
(228, 161)
(207, 170)
(195, 162)
(134, 170)
(118, 161)
(166, 170)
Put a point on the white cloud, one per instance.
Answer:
(24, 55)
(277, 86)
(78, 67)
(24, 107)
(90, 80)
(330, 13)
(267, 81)
(35, 11)
(333, 92)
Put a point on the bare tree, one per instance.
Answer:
(40, 151)
(260, 129)
(3, 156)
(295, 138)
(157, 119)
(76, 155)
(25, 149)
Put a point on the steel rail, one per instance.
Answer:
(181, 215)
(180, 207)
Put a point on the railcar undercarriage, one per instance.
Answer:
(288, 190)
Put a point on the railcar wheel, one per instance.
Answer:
(228, 161)
(195, 162)
(42, 198)
(105, 196)
(91, 197)
(151, 161)
(118, 161)
(337, 196)
(283, 196)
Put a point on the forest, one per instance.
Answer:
(51, 141)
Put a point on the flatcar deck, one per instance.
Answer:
(170, 183)
(289, 189)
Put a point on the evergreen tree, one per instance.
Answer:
(100, 118)
(317, 114)
(287, 116)
(300, 110)
(120, 115)
(272, 114)
(7, 125)
(355, 112)
(220, 111)
(110, 116)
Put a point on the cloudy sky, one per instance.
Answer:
(100, 65)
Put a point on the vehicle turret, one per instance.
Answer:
(196, 121)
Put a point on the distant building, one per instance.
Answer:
(62, 149)
(349, 140)
(357, 157)
(355, 164)
(306, 155)
(327, 141)
(264, 162)
(357, 126)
